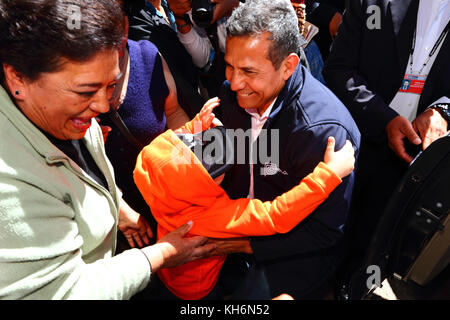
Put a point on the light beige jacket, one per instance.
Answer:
(57, 225)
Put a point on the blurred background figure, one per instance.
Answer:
(144, 103)
(314, 61)
(154, 21)
(327, 16)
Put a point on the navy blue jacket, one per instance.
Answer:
(306, 113)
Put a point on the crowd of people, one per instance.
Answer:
(110, 186)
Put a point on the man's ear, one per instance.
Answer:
(290, 63)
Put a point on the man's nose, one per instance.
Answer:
(237, 81)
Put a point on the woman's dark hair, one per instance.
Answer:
(36, 34)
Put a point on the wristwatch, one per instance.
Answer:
(444, 110)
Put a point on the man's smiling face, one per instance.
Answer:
(251, 74)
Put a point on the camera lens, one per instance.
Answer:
(202, 12)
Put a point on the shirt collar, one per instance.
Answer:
(255, 114)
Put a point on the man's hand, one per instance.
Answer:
(174, 249)
(398, 129)
(430, 125)
(233, 245)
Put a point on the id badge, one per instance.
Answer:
(413, 83)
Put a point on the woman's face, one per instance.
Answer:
(63, 103)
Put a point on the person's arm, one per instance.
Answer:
(175, 115)
(370, 111)
(345, 73)
(196, 42)
(245, 217)
(42, 250)
(194, 39)
(320, 230)
(253, 217)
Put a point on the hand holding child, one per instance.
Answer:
(342, 162)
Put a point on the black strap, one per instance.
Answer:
(117, 120)
(433, 50)
(214, 39)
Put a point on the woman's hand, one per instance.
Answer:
(342, 162)
(174, 249)
(135, 228)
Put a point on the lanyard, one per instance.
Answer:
(433, 50)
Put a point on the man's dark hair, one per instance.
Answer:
(277, 17)
(36, 34)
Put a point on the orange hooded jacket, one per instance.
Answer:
(178, 189)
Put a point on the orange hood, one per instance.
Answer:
(172, 178)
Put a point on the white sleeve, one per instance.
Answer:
(443, 99)
(197, 44)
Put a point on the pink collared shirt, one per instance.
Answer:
(258, 122)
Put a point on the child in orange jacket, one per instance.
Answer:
(178, 189)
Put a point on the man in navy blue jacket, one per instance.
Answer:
(269, 92)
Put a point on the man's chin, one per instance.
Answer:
(245, 104)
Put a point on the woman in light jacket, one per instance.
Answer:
(59, 204)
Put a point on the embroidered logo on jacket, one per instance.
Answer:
(271, 169)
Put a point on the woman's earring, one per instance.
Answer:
(17, 92)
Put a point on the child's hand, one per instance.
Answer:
(342, 162)
(206, 115)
